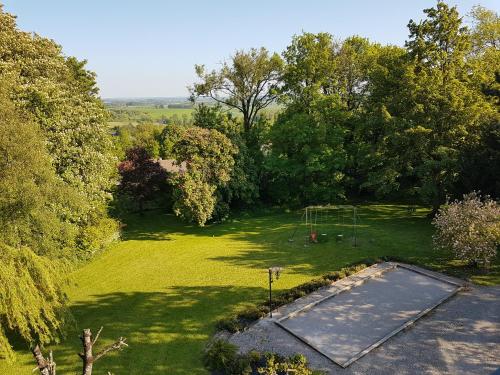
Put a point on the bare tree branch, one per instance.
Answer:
(97, 336)
(48, 367)
(118, 345)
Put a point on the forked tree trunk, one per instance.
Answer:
(88, 343)
(48, 367)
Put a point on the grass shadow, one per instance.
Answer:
(163, 329)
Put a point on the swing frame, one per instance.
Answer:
(311, 219)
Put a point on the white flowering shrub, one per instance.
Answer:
(470, 228)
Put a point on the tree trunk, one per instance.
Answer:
(48, 367)
(88, 359)
(246, 122)
(45, 367)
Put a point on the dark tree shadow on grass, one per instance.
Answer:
(166, 331)
(382, 231)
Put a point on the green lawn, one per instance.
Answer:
(165, 285)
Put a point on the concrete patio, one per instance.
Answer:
(459, 336)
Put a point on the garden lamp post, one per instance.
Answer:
(274, 272)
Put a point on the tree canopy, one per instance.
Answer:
(208, 155)
(248, 83)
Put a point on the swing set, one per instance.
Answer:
(324, 222)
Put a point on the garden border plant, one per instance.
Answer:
(222, 358)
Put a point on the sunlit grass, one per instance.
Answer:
(166, 284)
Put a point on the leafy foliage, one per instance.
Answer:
(296, 364)
(208, 155)
(469, 228)
(242, 188)
(56, 172)
(307, 160)
(168, 138)
(309, 69)
(35, 206)
(247, 83)
(146, 136)
(31, 300)
(222, 357)
(35, 231)
(60, 96)
(142, 177)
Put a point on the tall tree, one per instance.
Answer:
(36, 235)
(208, 155)
(242, 188)
(446, 111)
(248, 83)
(309, 69)
(141, 176)
(325, 84)
(61, 96)
(376, 165)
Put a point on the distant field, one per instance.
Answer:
(157, 113)
(125, 115)
(139, 114)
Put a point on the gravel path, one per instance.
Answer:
(461, 336)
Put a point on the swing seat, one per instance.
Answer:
(340, 237)
(313, 237)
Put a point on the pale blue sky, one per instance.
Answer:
(149, 47)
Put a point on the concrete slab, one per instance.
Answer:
(353, 320)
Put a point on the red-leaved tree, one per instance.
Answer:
(141, 177)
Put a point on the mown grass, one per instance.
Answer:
(166, 284)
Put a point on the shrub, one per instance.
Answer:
(469, 228)
(332, 276)
(222, 357)
(219, 355)
(275, 364)
(251, 314)
(230, 324)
